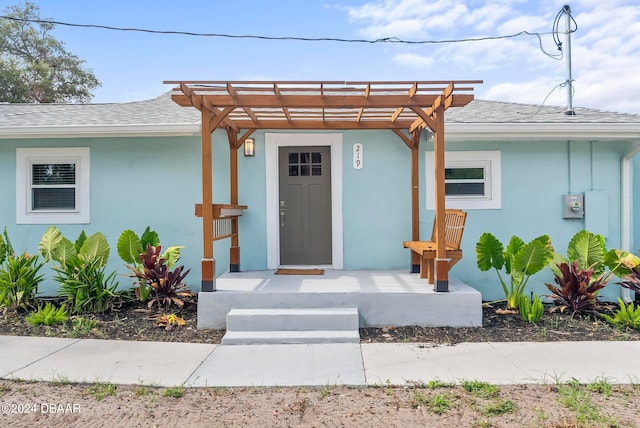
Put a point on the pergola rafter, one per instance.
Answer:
(403, 107)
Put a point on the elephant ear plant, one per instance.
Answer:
(80, 271)
(519, 260)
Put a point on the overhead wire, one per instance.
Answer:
(555, 32)
(283, 38)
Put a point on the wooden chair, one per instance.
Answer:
(454, 221)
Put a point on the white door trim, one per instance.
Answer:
(273, 142)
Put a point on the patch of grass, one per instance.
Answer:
(601, 385)
(175, 392)
(480, 389)
(418, 399)
(83, 325)
(102, 390)
(325, 392)
(499, 408)
(574, 396)
(440, 404)
(437, 383)
(60, 380)
(4, 389)
(142, 391)
(541, 417)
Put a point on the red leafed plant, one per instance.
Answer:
(167, 287)
(632, 280)
(577, 291)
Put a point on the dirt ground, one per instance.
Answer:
(104, 405)
(566, 404)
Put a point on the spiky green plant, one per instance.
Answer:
(48, 315)
(530, 310)
(19, 276)
(625, 316)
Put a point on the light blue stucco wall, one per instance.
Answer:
(137, 182)
(535, 176)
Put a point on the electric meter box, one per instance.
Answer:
(573, 206)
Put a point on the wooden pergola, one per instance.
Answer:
(242, 107)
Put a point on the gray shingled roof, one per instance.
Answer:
(482, 111)
(162, 110)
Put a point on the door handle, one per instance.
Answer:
(282, 212)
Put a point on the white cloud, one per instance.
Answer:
(605, 48)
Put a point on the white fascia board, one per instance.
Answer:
(146, 130)
(541, 131)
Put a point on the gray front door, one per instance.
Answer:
(305, 205)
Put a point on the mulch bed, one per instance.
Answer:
(134, 321)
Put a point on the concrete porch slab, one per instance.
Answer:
(281, 365)
(383, 298)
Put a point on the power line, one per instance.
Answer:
(281, 38)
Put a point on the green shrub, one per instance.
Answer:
(530, 311)
(86, 287)
(625, 316)
(19, 278)
(48, 315)
(80, 271)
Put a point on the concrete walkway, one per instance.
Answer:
(198, 365)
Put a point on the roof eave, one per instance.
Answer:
(75, 131)
(541, 131)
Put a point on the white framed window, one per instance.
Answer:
(52, 185)
(472, 180)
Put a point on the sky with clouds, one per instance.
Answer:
(131, 65)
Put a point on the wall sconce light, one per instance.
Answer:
(249, 147)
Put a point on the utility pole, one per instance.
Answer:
(569, 81)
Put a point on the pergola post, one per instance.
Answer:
(441, 281)
(415, 197)
(208, 262)
(234, 249)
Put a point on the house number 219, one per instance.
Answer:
(357, 156)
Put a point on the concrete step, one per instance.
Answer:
(293, 319)
(290, 337)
